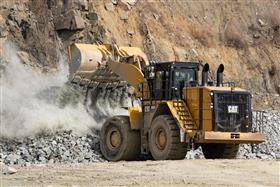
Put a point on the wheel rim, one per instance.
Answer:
(113, 138)
(161, 139)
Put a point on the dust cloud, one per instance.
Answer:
(33, 102)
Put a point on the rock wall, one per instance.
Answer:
(243, 35)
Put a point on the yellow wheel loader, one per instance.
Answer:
(180, 108)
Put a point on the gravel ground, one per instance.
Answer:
(218, 173)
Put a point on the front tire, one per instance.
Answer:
(118, 141)
(164, 139)
(220, 151)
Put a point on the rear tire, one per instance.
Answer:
(164, 139)
(220, 151)
(118, 141)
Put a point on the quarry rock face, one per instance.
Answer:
(247, 42)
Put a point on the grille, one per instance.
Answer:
(232, 112)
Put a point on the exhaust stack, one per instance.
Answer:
(220, 73)
(204, 79)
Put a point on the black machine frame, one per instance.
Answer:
(240, 99)
(168, 90)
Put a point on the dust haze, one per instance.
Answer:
(33, 102)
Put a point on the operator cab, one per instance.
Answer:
(167, 79)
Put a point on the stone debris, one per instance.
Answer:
(92, 16)
(124, 15)
(124, 6)
(82, 4)
(261, 22)
(110, 6)
(156, 16)
(195, 154)
(271, 148)
(7, 170)
(68, 147)
(115, 2)
(59, 147)
(130, 2)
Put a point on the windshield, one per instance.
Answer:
(183, 75)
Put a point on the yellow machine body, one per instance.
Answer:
(193, 112)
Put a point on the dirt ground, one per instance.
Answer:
(150, 173)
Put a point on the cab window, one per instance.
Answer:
(183, 75)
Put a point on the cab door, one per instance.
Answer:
(181, 77)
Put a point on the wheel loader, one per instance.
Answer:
(180, 108)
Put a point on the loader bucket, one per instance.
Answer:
(85, 59)
(89, 61)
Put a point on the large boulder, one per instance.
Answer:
(71, 20)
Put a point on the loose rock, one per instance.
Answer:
(124, 15)
(109, 6)
(68, 147)
(59, 147)
(261, 22)
(7, 170)
(92, 16)
(70, 21)
(130, 2)
(270, 149)
(115, 2)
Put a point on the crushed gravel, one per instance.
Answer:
(59, 147)
(69, 147)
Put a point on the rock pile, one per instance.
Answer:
(271, 148)
(59, 147)
(68, 147)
